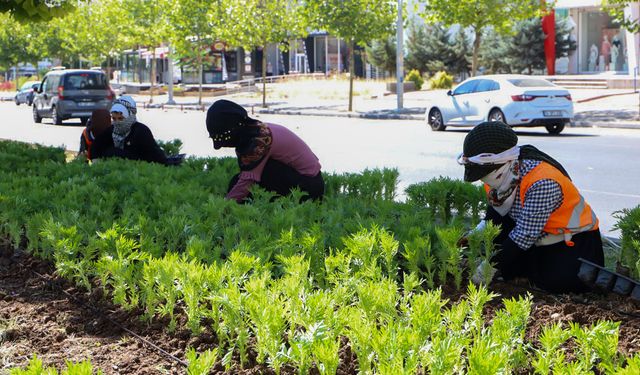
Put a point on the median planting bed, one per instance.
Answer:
(359, 283)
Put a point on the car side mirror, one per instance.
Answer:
(450, 93)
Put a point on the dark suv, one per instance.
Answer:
(71, 93)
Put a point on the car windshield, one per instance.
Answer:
(528, 82)
(85, 81)
(29, 85)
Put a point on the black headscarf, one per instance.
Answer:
(496, 137)
(229, 125)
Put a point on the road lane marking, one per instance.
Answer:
(615, 194)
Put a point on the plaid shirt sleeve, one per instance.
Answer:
(542, 198)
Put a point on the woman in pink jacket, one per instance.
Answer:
(269, 155)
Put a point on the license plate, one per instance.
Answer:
(552, 113)
(89, 104)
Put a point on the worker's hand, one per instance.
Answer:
(464, 240)
(484, 273)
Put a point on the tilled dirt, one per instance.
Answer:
(45, 315)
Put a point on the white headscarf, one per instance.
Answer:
(121, 129)
(503, 182)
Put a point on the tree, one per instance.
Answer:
(356, 21)
(461, 51)
(15, 41)
(36, 10)
(564, 43)
(382, 54)
(480, 14)
(616, 9)
(196, 26)
(149, 27)
(429, 48)
(493, 53)
(526, 47)
(258, 23)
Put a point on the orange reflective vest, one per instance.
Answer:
(574, 214)
(87, 141)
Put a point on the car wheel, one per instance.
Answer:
(55, 118)
(17, 101)
(436, 121)
(555, 128)
(36, 117)
(496, 115)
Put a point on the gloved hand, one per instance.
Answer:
(464, 240)
(484, 273)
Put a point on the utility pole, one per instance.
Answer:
(399, 58)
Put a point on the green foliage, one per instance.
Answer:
(429, 48)
(479, 15)
(200, 364)
(290, 282)
(616, 9)
(441, 80)
(382, 54)
(415, 77)
(629, 225)
(358, 22)
(36, 10)
(36, 367)
(171, 148)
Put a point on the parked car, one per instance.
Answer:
(26, 92)
(71, 93)
(516, 100)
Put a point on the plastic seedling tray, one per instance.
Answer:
(609, 281)
(605, 279)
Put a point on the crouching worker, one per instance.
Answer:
(99, 122)
(127, 138)
(546, 225)
(269, 155)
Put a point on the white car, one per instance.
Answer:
(516, 100)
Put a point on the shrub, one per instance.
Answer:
(441, 80)
(415, 77)
(629, 226)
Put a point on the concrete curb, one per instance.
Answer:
(365, 115)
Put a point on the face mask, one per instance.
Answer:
(497, 177)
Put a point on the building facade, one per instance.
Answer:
(602, 45)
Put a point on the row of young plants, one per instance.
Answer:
(293, 281)
(198, 364)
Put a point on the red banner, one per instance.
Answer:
(549, 28)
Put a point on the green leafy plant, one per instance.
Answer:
(200, 364)
(441, 80)
(415, 77)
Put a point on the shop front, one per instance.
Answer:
(603, 46)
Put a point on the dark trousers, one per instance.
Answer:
(280, 178)
(553, 267)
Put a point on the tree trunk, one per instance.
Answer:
(351, 74)
(264, 76)
(200, 68)
(152, 79)
(476, 50)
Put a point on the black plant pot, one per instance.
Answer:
(605, 280)
(587, 273)
(635, 293)
(623, 285)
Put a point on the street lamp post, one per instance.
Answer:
(399, 58)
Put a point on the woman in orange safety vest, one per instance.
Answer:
(546, 225)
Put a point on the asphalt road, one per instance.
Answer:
(604, 163)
